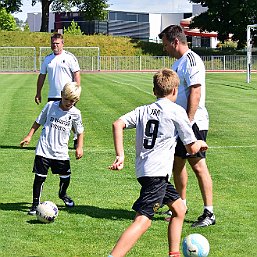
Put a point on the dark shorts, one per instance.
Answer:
(42, 165)
(155, 192)
(180, 150)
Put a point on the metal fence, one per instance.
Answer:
(26, 59)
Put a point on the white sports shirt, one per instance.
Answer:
(191, 70)
(60, 70)
(157, 127)
(57, 124)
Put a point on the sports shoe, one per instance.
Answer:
(33, 210)
(206, 219)
(68, 201)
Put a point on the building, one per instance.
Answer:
(137, 25)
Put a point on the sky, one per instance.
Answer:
(156, 6)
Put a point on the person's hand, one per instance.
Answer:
(79, 153)
(204, 146)
(25, 141)
(118, 164)
(38, 99)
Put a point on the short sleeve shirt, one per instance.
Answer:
(60, 69)
(57, 124)
(191, 71)
(157, 127)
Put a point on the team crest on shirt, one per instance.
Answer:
(156, 207)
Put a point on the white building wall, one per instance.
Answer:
(34, 21)
(155, 20)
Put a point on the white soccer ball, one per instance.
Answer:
(47, 212)
(195, 245)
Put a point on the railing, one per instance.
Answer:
(24, 59)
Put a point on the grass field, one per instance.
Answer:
(104, 198)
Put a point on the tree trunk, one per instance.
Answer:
(45, 15)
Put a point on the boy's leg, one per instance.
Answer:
(180, 176)
(175, 225)
(63, 186)
(130, 236)
(37, 189)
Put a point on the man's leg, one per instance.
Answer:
(200, 168)
(201, 171)
(130, 236)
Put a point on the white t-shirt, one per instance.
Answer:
(60, 69)
(57, 124)
(191, 71)
(157, 127)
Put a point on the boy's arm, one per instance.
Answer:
(27, 139)
(117, 128)
(79, 149)
(196, 146)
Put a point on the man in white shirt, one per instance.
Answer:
(191, 96)
(61, 67)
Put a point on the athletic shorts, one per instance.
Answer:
(155, 192)
(180, 150)
(42, 165)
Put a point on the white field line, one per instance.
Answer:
(232, 146)
(127, 84)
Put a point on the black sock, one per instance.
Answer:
(64, 184)
(37, 188)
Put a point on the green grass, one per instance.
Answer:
(103, 198)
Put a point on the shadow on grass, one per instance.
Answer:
(17, 147)
(91, 211)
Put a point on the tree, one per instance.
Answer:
(73, 29)
(11, 6)
(7, 21)
(90, 9)
(227, 17)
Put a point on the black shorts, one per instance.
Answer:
(155, 192)
(42, 164)
(180, 150)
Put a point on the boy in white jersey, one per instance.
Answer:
(191, 96)
(57, 119)
(157, 127)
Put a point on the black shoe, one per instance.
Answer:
(68, 201)
(75, 143)
(206, 219)
(33, 210)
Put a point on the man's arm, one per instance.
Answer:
(193, 100)
(117, 128)
(77, 77)
(40, 83)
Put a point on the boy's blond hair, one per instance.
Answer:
(71, 91)
(164, 81)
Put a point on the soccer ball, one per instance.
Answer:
(47, 212)
(195, 245)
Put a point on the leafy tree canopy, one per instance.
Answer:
(90, 9)
(7, 21)
(227, 17)
(11, 5)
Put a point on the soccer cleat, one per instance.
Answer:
(33, 210)
(68, 201)
(206, 219)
